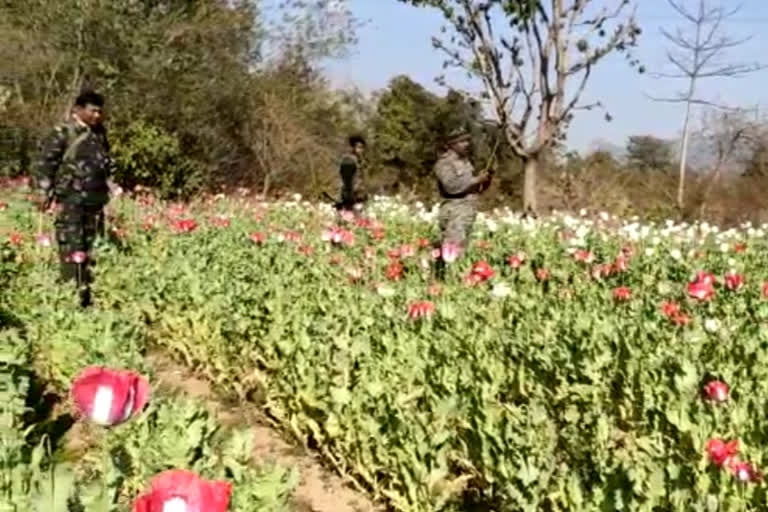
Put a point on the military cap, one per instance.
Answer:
(458, 135)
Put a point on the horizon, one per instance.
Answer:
(378, 57)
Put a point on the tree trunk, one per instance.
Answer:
(684, 154)
(529, 184)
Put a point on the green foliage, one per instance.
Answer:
(411, 124)
(149, 156)
(649, 153)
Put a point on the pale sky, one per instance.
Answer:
(396, 40)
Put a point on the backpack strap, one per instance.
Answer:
(73, 142)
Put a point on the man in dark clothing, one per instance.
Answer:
(353, 175)
(74, 171)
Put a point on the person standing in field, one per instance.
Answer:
(74, 172)
(459, 188)
(352, 173)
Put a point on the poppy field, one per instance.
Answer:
(574, 363)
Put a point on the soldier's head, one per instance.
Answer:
(459, 141)
(89, 107)
(357, 144)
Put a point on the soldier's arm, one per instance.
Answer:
(51, 153)
(457, 180)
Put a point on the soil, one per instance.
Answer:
(319, 489)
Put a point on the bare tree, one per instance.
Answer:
(731, 134)
(534, 60)
(697, 55)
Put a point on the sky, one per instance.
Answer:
(396, 39)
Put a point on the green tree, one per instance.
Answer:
(649, 153)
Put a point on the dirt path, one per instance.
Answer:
(319, 489)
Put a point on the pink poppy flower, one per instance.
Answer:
(43, 240)
(78, 257)
(516, 260)
(184, 491)
(449, 252)
(108, 396)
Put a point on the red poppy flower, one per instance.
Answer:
(16, 238)
(482, 270)
(734, 281)
(701, 289)
(739, 247)
(721, 452)
(184, 491)
(622, 294)
(184, 225)
(109, 397)
(716, 390)
(542, 274)
(421, 309)
(257, 238)
(394, 271)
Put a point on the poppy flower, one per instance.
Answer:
(583, 256)
(406, 251)
(43, 240)
(482, 270)
(78, 257)
(184, 491)
(702, 288)
(733, 281)
(421, 309)
(745, 471)
(184, 225)
(622, 294)
(108, 396)
(516, 260)
(720, 452)
(16, 238)
(394, 271)
(449, 252)
(716, 391)
(3, 206)
(257, 238)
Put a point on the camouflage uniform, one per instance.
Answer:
(457, 211)
(352, 171)
(74, 169)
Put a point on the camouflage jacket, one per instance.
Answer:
(352, 171)
(75, 166)
(454, 175)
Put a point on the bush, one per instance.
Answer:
(146, 154)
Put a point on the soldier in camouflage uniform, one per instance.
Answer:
(352, 172)
(74, 171)
(459, 188)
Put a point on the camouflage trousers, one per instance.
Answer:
(456, 220)
(77, 226)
